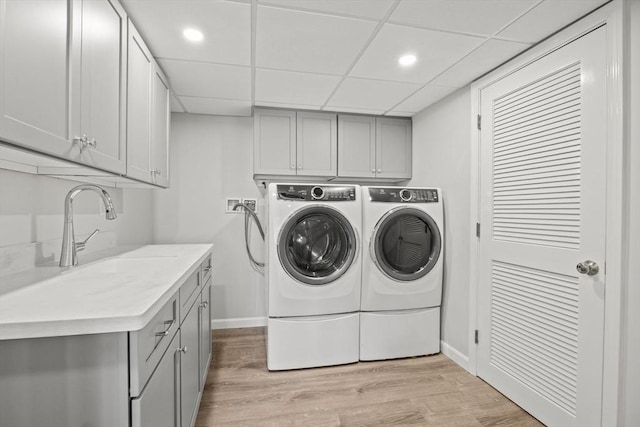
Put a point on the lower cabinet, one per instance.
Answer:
(159, 403)
(205, 333)
(189, 366)
(171, 396)
(151, 377)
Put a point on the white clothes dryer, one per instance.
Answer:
(313, 270)
(402, 272)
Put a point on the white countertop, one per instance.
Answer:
(115, 294)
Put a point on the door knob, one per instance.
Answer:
(589, 268)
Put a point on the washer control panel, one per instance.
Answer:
(312, 193)
(403, 195)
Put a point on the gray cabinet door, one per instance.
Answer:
(317, 144)
(393, 148)
(140, 65)
(189, 365)
(356, 146)
(103, 85)
(159, 403)
(160, 128)
(65, 78)
(35, 75)
(274, 142)
(205, 332)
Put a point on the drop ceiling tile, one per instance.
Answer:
(174, 105)
(467, 16)
(370, 94)
(294, 88)
(547, 18)
(356, 110)
(286, 105)
(399, 114)
(226, 27)
(485, 58)
(369, 9)
(435, 50)
(312, 42)
(208, 80)
(423, 98)
(220, 107)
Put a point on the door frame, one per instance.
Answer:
(611, 15)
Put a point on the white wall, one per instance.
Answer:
(211, 159)
(32, 216)
(441, 158)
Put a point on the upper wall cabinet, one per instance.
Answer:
(393, 148)
(160, 128)
(342, 147)
(274, 142)
(317, 144)
(63, 81)
(290, 143)
(374, 147)
(147, 115)
(357, 148)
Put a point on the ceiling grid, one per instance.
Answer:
(338, 55)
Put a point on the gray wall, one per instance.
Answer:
(212, 159)
(441, 158)
(32, 214)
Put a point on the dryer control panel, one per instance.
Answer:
(403, 195)
(317, 193)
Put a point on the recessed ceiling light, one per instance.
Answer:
(407, 60)
(192, 34)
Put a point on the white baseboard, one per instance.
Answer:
(455, 355)
(240, 322)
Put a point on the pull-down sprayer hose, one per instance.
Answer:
(248, 211)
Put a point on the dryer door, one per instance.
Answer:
(317, 245)
(406, 244)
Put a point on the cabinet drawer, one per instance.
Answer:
(207, 266)
(147, 345)
(189, 291)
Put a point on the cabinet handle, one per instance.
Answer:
(85, 142)
(300, 166)
(379, 170)
(207, 269)
(373, 171)
(156, 172)
(293, 166)
(182, 349)
(205, 304)
(164, 333)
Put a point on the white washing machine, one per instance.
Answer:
(401, 272)
(313, 270)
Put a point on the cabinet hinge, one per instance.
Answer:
(476, 336)
(479, 122)
(477, 229)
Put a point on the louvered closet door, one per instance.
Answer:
(542, 212)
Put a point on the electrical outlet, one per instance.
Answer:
(231, 202)
(252, 203)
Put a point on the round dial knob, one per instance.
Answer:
(317, 193)
(405, 195)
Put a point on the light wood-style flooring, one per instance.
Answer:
(421, 391)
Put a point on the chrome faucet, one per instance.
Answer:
(68, 256)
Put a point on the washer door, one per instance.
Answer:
(406, 244)
(317, 245)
